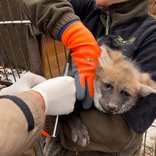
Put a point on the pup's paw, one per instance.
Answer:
(80, 135)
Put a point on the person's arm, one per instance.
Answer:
(49, 16)
(21, 122)
(57, 19)
(142, 115)
(22, 116)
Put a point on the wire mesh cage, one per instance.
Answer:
(23, 48)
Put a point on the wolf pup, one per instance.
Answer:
(119, 83)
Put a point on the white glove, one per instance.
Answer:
(58, 94)
(25, 83)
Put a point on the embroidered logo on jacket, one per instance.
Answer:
(121, 41)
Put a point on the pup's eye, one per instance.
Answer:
(107, 85)
(125, 93)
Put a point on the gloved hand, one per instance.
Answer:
(85, 52)
(58, 94)
(25, 83)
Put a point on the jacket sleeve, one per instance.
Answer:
(21, 123)
(142, 115)
(49, 16)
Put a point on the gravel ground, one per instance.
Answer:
(149, 142)
(7, 76)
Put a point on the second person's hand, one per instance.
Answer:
(25, 83)
(58, 94)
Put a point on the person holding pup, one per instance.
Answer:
(124, 25)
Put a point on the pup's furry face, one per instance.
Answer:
(118, 83)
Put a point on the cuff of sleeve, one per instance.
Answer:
(24, 108)
(64, 28)
(36, 110)
(61, 24)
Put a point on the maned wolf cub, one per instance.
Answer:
(117, 86)
(119, 83)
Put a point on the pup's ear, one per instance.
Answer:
(146, 90)
(104, 58)
(147, 86)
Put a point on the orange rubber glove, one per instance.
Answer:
(85, 52)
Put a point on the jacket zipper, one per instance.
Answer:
(107, 23)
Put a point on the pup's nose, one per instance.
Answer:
(111, 106)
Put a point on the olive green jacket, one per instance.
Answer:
(109, 135)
